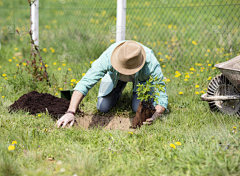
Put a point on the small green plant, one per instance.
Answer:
(150, 91)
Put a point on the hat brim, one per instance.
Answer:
(117, 66)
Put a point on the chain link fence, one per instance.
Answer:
(185, 33)
(182, 33)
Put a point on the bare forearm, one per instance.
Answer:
(77, 97)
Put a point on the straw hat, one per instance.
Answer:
(128, 57)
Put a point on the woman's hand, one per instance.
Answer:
(158, 113)
(65, 119)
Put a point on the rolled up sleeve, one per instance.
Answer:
(94, 74)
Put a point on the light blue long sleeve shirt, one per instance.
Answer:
(102, 69)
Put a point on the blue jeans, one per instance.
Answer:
(105, 103)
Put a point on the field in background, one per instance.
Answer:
(187, 37)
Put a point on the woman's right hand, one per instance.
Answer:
(65, 119)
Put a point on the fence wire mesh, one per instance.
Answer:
(182, 33)
(186, 33)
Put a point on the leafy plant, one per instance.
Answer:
(150, 91)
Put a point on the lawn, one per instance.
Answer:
(187, 37)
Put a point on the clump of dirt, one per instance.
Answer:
(35, 103)
(144, 112)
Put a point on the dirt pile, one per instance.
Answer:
(35, 102)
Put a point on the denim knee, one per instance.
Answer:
(104, 104)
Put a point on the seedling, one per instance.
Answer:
(150, 90)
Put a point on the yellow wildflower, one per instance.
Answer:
(234, 128)
(177, 75)
(159, 53)
(59, 69)
(193, 42)
(180, 93)
(185, 79)
(197, 86)
(161, 59)
(60, 88)
(208, 50)
(39, 115)
(11, 147)
(192, 69)
(196, 93)
(71, 84)
(178, 143)
(54, 63)
(167, 80)
(4, 75)
(73, 80)
(2, 96)
(69, 69)
(172, 145)
(130, 132)
(14, 142)
(209, 78)
(24, 64)
(112, 40)
(17, 65)
(56, 93)
(9, 60)
(45, 50)
(202, 92)
(163, 66)
(15, 49)
(83, 74)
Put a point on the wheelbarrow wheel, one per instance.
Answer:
(221, 86)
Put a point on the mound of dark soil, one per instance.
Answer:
(35, 102)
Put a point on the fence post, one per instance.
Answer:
(121, 20)
(35, 22)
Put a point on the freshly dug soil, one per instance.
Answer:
(144, 112)
(104, 122)
(35, 102)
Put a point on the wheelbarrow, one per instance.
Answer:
(223, 92)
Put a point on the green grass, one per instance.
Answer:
(79, 33)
